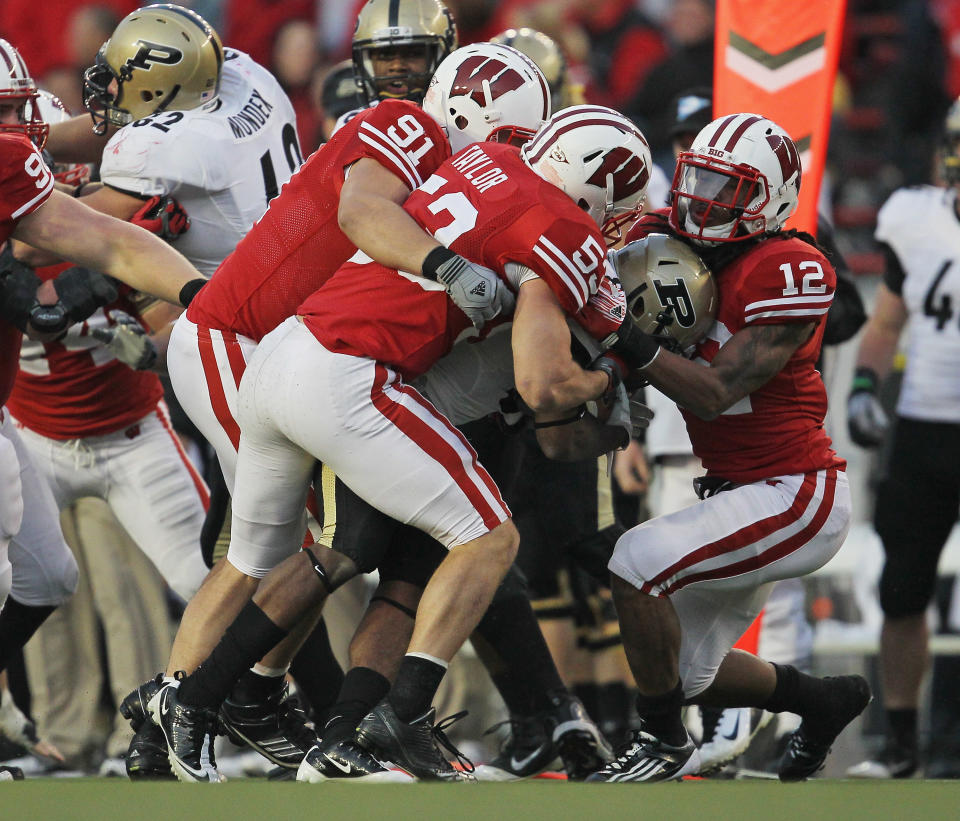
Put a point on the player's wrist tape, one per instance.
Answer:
(636, 348)
(432, 261)
(190, 290)
(577, 415)
(865, 379)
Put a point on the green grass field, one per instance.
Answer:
(107, 800)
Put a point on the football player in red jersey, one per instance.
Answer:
(775, 499)
(516, 215)
(31, 210)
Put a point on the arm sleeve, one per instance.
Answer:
(893, 273)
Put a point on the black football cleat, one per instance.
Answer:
(415, 746)
(581, 745)
(189, 733)
(348, 762)
(647, 758)
(147, 758)
(809, 744)
(276, 727)
(527, 751)
(134, 705)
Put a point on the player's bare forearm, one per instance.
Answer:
(546, 375)
(586, 438)
(371, 216)
(881, 334)
(68, 228)
(749, 359)
(74, 140)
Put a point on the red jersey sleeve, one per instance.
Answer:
(25, 181)
(403, 138)
(788, 282)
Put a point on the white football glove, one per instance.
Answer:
(127, 341)
(867, 421)
(476, 290)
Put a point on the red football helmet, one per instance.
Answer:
(17, 88)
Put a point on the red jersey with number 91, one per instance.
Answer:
(488, 206)
(297, 244)
(777, 429)
(25, 184)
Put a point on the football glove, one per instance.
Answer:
(81, 291)
(867, 421)
(474, 289)
(127, 341)
(640, 414)
(163, 216)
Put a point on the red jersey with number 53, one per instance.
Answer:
(487, 205)
(297, 244)
(25, 184)
(777, 429)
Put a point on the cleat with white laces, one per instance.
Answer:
(728, 735)
(646, 758)
(414, 746)
(190, 733)
(347, 762)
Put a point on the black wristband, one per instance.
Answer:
(567, 420)
(865, 379)
(434, 260)
(190, 290)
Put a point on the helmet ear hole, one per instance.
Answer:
(461, 122)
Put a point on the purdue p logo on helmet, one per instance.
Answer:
(670, 292)
(161, 58)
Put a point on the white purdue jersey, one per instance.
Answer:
(921, 226)
(223, 162)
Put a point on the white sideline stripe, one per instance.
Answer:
(794, 300)
(802, 312)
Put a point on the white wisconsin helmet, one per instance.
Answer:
(487, 91)
(599, 158)
(740, 178)
(670, 291)
(18, 87)
(52, 111)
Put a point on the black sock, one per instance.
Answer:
(903, 728)
(614, 711)
(589, 695)
(511, 629)
(255, 688)
(245, 642)
(18, 622)
(795, 692)
(318, 674)
(361, 691)
(416, 685)
(661, 715)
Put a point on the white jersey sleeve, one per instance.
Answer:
(920, 224)
(223, 162)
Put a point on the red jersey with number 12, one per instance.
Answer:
(297, 244)
(778, 429)
(488, 206)
(25, 184)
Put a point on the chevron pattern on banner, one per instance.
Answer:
(774, 71)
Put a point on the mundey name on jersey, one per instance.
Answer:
(252, 117)
(475, 166)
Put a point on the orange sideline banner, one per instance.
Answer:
(779, 60)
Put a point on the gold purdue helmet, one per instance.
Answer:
(163, 57)
(543, 51)
(388, 24)
(670, 291)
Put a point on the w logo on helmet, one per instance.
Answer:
(478, 71)
(786, 152)
(630, 173)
